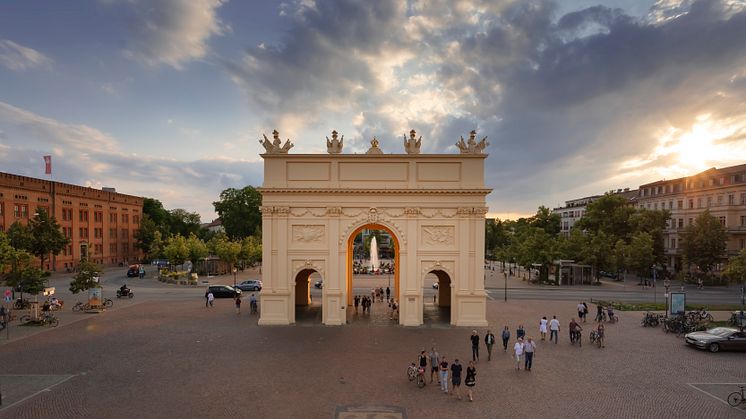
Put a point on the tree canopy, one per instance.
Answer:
(703, 242)
(239, 211)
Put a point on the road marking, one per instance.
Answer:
(694, 386)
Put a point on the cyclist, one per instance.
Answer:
(610, 312)
(252, 304)
(600, 332)
(574, 330)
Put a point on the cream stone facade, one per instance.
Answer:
(433, 206)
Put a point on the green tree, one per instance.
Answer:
(145, 235)
(547, 221)
(735, 270)
(7, 253)
(197, 250)
(24, 274)
(183, 222)
(46, 236)
(652, 222)
(228, 251)
(251, 250)
(703, 242)
(86, 278)
(20, 236)
(239, 211)
(176, 250)
(153, 208)
(598, 252)
(641, 254)
(157, 246)
(536, 246)
(609, 214)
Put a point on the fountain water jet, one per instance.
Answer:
(373, 254)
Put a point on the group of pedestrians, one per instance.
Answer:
(449, 372)
(364, 302)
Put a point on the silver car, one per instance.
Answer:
(717, 339)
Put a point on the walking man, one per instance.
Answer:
(489, 340)
(581, 312)
(506, 338)
(207, 298)
(388, 293)
(474, 345)
(528, 348)
(554, 328)
(434, 362)
(518, 352)
(456, 378)
(357, 302)
(238, 304)
(210, 298)
(444, 374)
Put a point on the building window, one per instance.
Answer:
(722, 220)
(670, 205)
(673, 243)
(720, 200)
(691, 204)
(655, 206)
(731, 199)
(124, 234)
(691, 220)
(113, 218)
(681, 223)
(743, 199)
(699, 202)
(680, 204)
(2, 209)
(743, 243)
(743, 221)
(136, 219)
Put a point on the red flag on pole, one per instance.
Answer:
(47, 165)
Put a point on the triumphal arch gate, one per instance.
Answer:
(432, 205)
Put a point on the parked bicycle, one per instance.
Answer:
(21, 304)
(737, 397)
(738, 318)
(416, 373)
(46, 319)
(81, 306)
(651, 319)
(595, 338)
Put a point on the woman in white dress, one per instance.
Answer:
(543, 328)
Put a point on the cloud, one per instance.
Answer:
(86, 156)
(19, 58)
(169, 32)
(566, 100)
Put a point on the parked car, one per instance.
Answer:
(319, 284)
(717, 339)
(250, 285)
(224, 291)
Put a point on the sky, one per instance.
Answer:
(168, 98)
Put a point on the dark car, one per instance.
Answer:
(250, 285)
(223, 291)
(133, 271)
(719, 338)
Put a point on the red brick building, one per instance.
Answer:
(101, 224)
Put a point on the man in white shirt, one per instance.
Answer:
(581, 312)
(518, 351)
(554, 328)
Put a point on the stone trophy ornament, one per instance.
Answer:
(334, 146)
(374, 147)
(412, 145)
(275, 146)
(472, 146)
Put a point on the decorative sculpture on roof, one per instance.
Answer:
(472, 146)
(374, 147)
(275, 146)
(334, 146)
(412, 146)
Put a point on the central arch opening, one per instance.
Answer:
(436, 309)
(308, 296)
(372, 269)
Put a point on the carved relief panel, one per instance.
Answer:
(438, 235)
(302, 235)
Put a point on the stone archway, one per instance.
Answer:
(433, 206)
(305, 308)
(348, 257)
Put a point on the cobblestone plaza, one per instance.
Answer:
(179, 359)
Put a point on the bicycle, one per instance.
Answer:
(576, 336)
(595, 338)
(737, 397)
(45, 319)
(416, 373)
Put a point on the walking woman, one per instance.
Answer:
(471, 379)
(543, 327)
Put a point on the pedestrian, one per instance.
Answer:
(382, 293)
(238, 304)
(388, 293)
(520, 332)
(543, 327)
(506, 338)
(529, 348)
(518, 353)
(422, 358)
(554, 328)
(599, 312)
(474, 345)
(444, 374)
(601, 333)
(207, 298)
(585, 312)
(357, 302)
(471, 379)
(142, 272)
(581, 310)
(210, 298)
(434, 361)
(373, 294)
(489, 340)
(456, 378)
(394, 307)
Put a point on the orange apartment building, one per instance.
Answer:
(101, 224)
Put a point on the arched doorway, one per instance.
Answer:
(308, 308)
(387, 272)
(437, 308)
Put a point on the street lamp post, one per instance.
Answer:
(666, 284)
(234, 277)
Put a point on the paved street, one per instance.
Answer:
(173, 357)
